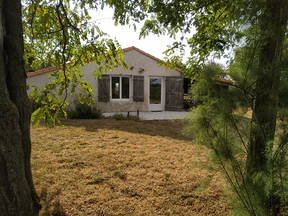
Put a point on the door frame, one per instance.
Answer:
(156, 107)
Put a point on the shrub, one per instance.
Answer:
(84, 111)
(189, 102)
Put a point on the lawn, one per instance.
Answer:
(119, 167)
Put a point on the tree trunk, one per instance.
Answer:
(273, 25)
(17, 193)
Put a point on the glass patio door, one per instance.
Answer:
(155, 96)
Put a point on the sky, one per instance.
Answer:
(127, 37)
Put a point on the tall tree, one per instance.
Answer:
(17, 195)
(55, 32)
(272, 28)
(211, 27)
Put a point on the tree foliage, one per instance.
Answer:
(221, 123)
(41, 33)
(61, 33)
(209, 28)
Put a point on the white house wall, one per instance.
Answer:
(136, 62)
(40, 81)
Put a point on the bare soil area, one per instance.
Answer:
(134, 168)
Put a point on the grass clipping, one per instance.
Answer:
(110, 167)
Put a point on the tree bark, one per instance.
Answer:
(273, 26)
(17, 193)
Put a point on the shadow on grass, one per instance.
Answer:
(164, 128)
(51, 206)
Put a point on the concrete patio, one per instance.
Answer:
(165, 115)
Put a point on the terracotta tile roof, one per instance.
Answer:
(225, 81)
(42, 71)
(52, 69)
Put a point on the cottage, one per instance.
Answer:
(144, 86)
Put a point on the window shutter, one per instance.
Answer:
(104, 89)
(174, 93)
(138, 88)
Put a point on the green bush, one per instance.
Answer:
(84, 111)
(189, 102)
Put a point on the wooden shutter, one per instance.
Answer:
(138, 88)
(104, 88)
(174, 93)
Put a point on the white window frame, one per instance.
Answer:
(120, 99)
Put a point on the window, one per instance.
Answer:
(125, 87)
(120, 87)
(115, 87)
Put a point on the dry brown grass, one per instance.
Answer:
(109, 167)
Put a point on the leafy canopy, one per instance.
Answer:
(208, 27)
(61, 33)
